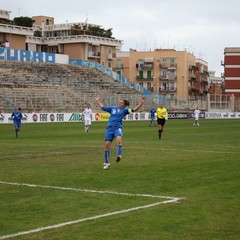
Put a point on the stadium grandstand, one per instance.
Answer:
(48, 87)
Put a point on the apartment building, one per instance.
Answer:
(216, 84)
(5, 14)
(165, 71)
(42, 20)
(66, 38)
(232, 70)
(15, 35)
(202, 77)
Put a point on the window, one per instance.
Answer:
(109, 64)
(140, 63)
(172, 74)
(119, 75)
(102, 49)
(172, 86)
(163, 62)
(119, 63)
(149, 86)
(140, 74)
(149, 74)
(172, 62)
(164, 74)
(164, 86)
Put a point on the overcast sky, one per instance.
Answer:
(203, 28)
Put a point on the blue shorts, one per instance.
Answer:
(113, 132)
(17, 124)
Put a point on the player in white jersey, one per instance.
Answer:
(87, 112)
(196, 117)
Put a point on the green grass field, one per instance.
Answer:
(199, 165)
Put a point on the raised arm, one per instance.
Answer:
(98, 102)
(139, 104)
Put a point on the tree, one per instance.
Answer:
(77, 30)
(108, 33)
(37, 33)
(91, 30)
(23, 21)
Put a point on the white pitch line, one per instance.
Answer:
(85, 190)
(170, 200)
(180, 150)
(85, 219)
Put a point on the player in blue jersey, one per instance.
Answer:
(152, 117)
(114, 126)
(17, 119)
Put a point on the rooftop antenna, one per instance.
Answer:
(86, 19)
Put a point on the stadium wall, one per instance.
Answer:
(100, 116)
(32, 56)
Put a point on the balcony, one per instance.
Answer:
(173, 89)
(204, 82)
(111, 55)
(94, 54)
(192, 68)
(94, 40)
(172, 78)
(140, 78)
(163, 77)
(13, 29)
(167, 78)
(163, 65)
(192, 78)
(204, 72)
(193, 89)
(172, 66)
(144, 66)
(167, 90)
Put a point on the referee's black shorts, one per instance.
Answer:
(161, 121)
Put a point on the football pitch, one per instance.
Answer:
(184, 186)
